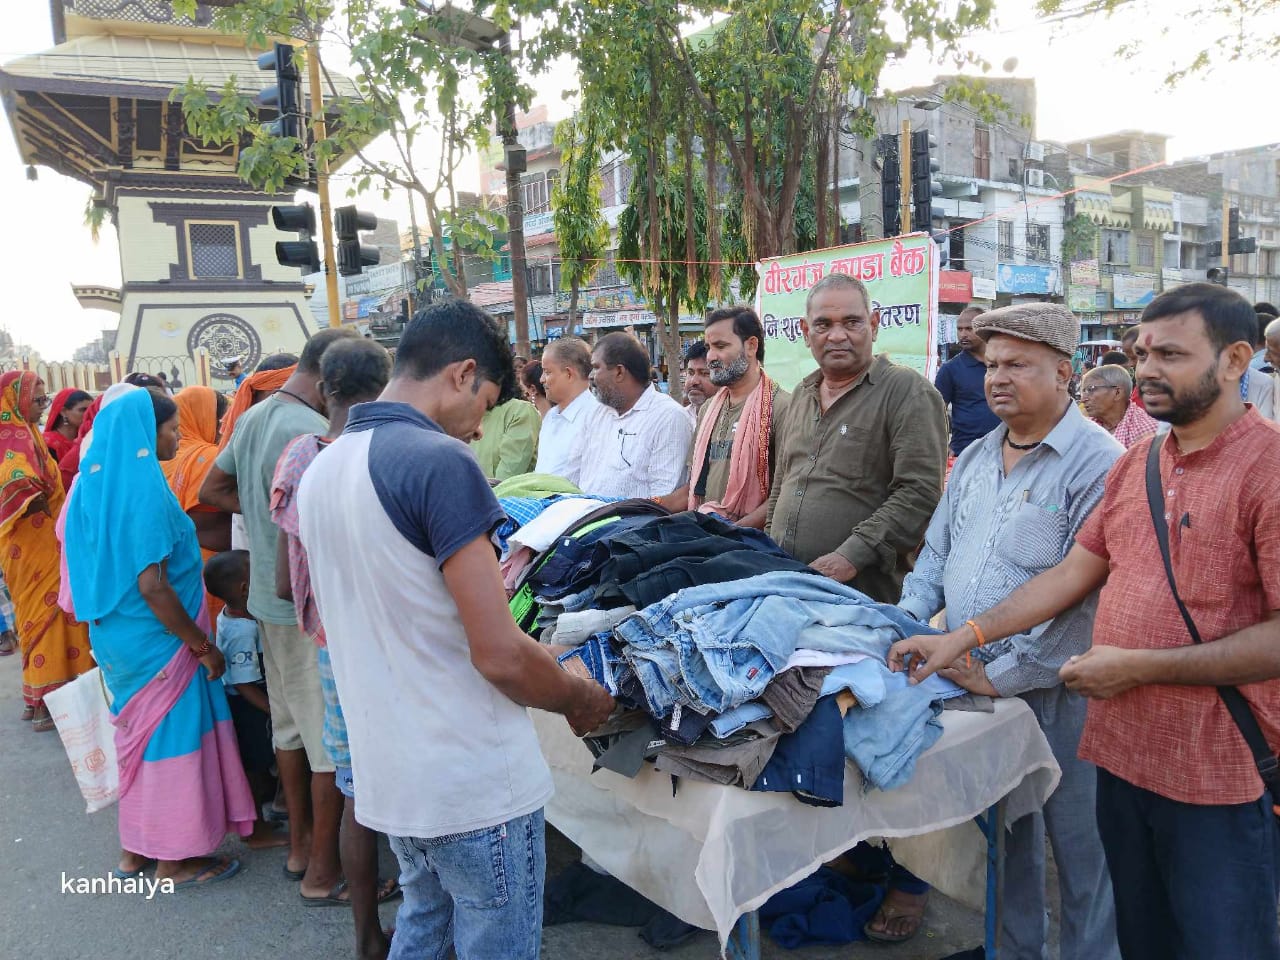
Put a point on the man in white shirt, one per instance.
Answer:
(397, 519)
(638, 439)
(566, 372)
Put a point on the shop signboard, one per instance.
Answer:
(955, 286)
(901, 275)
(1085, 272)
(1130, 291)
(984, 288)
(1082, 298)
(1025, 279)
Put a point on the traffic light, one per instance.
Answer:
(1217, 275)
(1233, 224)
(286, 95)
(354, 256)
(299, 218)
(943, 239)
(890, 184)
(923, 187)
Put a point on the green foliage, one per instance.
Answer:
(1078, 237)
(756, 81)
(1232, 30)
(96, 213)
(427, 95)
(581, 231)
(662, 272)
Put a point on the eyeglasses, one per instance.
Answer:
(1091, 390)
(42, 401)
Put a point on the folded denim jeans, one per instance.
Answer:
(886, 739)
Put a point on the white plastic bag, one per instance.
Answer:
(81, 714)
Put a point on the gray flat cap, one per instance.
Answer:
(1049, 323)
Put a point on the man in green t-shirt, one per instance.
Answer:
(731, 460)
(240, 482)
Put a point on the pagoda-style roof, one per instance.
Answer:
(98, 104)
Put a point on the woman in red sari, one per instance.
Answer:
(55, 648)
(62, 426)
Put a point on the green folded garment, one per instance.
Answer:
(538, 486)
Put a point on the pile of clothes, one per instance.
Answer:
(733, 662)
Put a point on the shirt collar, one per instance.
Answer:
(642, 403)
(366, 416)
(1059, 439)
(577, 406)
(878, 364)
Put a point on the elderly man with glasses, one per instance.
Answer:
(1105, 392)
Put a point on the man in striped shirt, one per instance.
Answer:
(1011, 509)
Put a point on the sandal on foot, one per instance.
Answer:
(27, 713)
(294, 875)
(8, 644)
(229, 869)
(389, 890)
(42, 724)
(909, 908)
(332, 899)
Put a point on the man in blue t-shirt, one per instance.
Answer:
(961, 383)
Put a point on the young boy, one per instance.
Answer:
(226, 576)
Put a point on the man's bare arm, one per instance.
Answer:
(220, 491)
(1039, 599)
(514, 663)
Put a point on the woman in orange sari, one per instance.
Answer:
(200, 410)
(55, 647)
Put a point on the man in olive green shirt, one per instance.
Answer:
(508, 444)
(862, 451)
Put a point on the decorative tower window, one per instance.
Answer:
(214, 249)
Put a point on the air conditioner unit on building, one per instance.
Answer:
(1035, 152)
(1035, 178)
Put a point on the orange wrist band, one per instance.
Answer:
(982, 641)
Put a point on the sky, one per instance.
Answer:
(1083, 90)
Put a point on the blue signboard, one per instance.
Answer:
(1011, 278)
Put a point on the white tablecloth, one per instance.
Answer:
(710, 853)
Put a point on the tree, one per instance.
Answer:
(580, 228)
(662, 239)
(752, 86)
(432, 97)
(1232, 30)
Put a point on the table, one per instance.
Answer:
(712, 855)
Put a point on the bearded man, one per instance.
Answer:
(730, 467)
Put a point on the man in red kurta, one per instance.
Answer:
(1187, 825)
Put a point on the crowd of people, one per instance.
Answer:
(303, 592)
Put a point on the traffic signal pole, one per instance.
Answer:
(320, 132)
(1226, 231)
(904, 175)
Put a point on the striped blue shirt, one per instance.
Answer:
(992, 533)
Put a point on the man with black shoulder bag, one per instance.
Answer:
(1184, 671)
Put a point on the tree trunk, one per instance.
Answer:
(670, 337)
(573, 307)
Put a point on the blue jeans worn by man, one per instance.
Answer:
(481, 891)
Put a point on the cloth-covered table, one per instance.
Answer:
(710, 854)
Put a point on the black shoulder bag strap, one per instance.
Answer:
(1237, 706)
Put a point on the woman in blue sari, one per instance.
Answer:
(136, 578)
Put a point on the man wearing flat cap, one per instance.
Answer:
(1011, 510)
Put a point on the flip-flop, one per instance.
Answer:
(232, 868)
(131, 874)
(294, 875)
(334, 897)
(43, 725)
